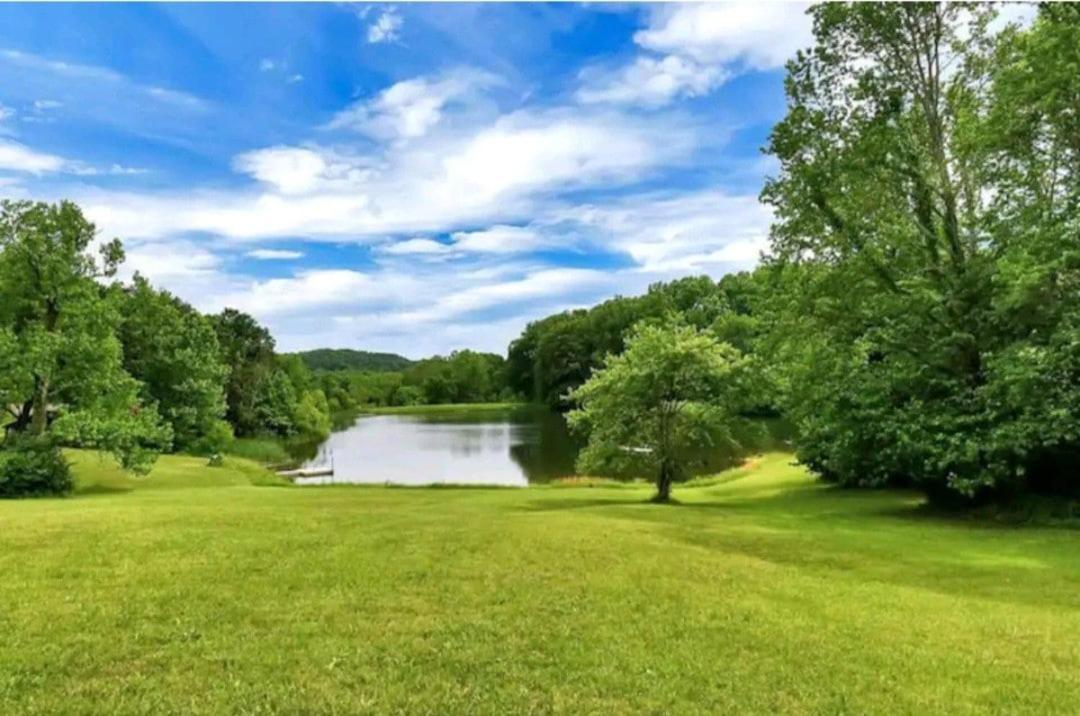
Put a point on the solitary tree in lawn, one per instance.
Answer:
(673, 391)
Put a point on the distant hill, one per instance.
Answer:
(348, 359)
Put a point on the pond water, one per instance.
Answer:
(469, 446)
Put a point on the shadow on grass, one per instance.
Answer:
(91, 490)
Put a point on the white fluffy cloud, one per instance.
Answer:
(699, 232)
(761, 35)
(698, 46)
(650, 81)
(386, 27)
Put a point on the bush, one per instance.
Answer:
(32, 468)
(217, 439)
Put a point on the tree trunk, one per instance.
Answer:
(40, 416)
(663, 483)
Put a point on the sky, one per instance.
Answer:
(410, 178)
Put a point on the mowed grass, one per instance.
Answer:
(196, 591)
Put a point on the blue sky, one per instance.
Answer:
(414, 178)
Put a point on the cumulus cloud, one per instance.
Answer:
(699, 46)
(386, 27)
(760, 35)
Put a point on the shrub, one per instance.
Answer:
(32, 468)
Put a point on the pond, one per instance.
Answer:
(470, 445)
(511, 446)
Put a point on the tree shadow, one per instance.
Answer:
(91, 490)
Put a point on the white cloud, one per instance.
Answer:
(266, 64)
(707, 231)
(16, 157)
(415, 247)
(44, 105)
(166, 262)
(411, 108)
(650, 81)
(504, 171)
(760, 35)
(274, 254)
(6, 113)
(291, 170)
(501, 239)
(386, 28)
(294, 78)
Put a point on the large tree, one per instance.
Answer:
(673, 393)
(59, 355)
(173, 351)
(928, 188)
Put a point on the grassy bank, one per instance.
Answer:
(196, 591)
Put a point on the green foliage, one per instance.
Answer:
(928, 223)
(339, 359)
(173, 351)
(673, 394)
(217, 438)
(462, 377)
(559, 353)
(34, 467)
(60, 356)
(248, 351)
(311, 417)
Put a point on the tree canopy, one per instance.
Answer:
(672, 393)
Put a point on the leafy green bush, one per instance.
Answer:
(217, 439)
(32, 468)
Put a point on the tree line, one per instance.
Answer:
(918, 313)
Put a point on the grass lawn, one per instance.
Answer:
(196, 591)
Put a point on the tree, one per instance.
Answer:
(675, 391)
(928, 183)
(248, 351)
(173, 351)
(61, 360)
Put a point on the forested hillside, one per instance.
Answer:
(349, 359)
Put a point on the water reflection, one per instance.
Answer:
(481, 447)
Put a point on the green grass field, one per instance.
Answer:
(196, 590)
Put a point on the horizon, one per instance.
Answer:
(408, 179)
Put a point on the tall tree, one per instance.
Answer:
(61, 356)
(173, 351)
(248, 351)
(896, 187)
